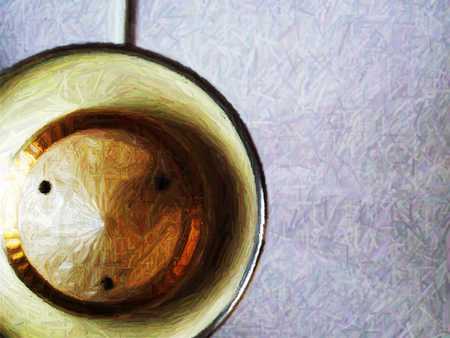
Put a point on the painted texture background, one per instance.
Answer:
(348, 104)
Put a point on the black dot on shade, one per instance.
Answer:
(107, 283)
(45, 187)
(161, 182)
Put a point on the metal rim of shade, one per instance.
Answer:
(232, 114)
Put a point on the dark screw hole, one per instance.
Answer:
(107, 283)
(161, 182)
(45, 187)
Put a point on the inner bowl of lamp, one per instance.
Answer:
(119, 210)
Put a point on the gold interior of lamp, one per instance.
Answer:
(119, 211)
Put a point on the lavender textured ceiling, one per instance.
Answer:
(348, 103)
(29, 27)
